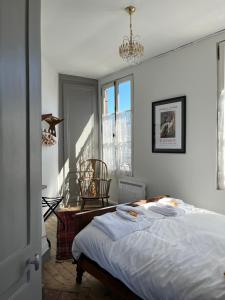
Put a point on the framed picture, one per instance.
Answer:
(169, 125)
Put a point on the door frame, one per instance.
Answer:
(65, 79)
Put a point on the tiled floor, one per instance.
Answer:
(50, 294)
(57, 295)
(59, 277)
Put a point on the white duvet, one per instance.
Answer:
(175, 258)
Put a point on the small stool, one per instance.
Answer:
(52, 203)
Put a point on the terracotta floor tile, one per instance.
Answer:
(68, 296)
(59, 278)
(49, 294)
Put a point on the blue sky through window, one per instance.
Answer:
(124, 96)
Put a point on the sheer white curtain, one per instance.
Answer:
(117, 142)
(221, 120)
(221, 141)
(123, 143)
(108, 143)
(117, 126)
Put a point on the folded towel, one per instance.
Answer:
(166, 210)
(142, 210)
(129, 215)
(136, 209)
(116, 227)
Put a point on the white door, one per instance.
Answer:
(20, 155)
(79, 96)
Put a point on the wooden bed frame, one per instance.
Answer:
(84, 263)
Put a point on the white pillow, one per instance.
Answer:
(167, 200)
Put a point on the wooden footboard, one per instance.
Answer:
(120, 289)
(83, 218)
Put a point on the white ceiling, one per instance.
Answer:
(81, 37)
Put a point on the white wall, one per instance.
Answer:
(191, 71)
(49, 105)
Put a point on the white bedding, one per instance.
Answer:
(176, 258)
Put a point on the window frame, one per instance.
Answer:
(116, 83)
(220, 66)
(220, 87)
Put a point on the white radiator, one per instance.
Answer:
(130, 190)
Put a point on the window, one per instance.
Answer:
(117, 126)
(221, 118)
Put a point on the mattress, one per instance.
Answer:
(176, 258)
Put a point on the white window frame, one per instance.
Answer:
(220, 88)
(116, 83)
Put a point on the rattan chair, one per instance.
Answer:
(93, 181)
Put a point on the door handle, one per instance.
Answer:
(35, 262)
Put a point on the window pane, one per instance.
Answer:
(124, 129)
(221, 119)
(108, 143)
(123, 143)
(124, 96)
(108, 127)
(117, 127)
(109, 100)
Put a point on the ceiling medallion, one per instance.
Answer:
(131, 50)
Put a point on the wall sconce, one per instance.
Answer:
(49, 133)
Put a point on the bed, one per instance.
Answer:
(176, 258)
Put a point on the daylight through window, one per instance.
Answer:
(221, 118)
(117, 126)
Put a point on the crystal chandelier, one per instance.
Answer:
(131, 50)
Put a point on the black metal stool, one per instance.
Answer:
(52, 203)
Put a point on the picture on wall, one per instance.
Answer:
(169, 125)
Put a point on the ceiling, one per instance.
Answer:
(81, 37)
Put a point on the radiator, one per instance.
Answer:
(130, 190)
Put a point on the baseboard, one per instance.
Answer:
(46, 256)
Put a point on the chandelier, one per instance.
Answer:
(131, 50)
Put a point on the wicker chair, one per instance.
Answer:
(93, 181)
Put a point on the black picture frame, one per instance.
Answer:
(169, 125)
